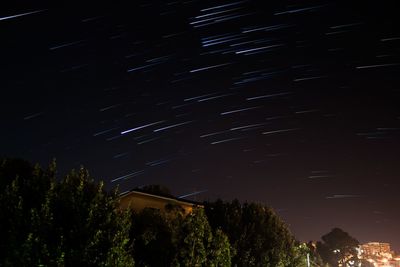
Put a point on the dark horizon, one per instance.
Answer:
(291, 104)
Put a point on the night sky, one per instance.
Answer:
(294, 104)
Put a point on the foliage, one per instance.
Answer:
(75, 222)
(194, 238)
(337, 247)
(178, 240)
(258, 236)
(300, 252)
(199, 245)
(315, 258)
(219, 251)
(48, 223)
(153, 235)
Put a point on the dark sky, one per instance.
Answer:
(294, 104)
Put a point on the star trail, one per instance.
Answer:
(294, 104)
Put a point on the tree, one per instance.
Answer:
(337, 247)
(74, 222)
(315, 258)
(219, 251)
(199, 245)
(178, 240)
(258, 236)
(195, 236)
(154, 234)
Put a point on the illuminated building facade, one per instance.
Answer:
(379, 254)
(137, 201)
(376, 249)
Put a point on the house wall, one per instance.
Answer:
(137, 201)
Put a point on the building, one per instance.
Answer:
(379, 254)
(376, 249)
(137, 201)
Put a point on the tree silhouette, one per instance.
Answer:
(258, 236)
(177, 240)
(337, 247)
(74, 222)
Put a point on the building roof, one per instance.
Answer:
(171, 198)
